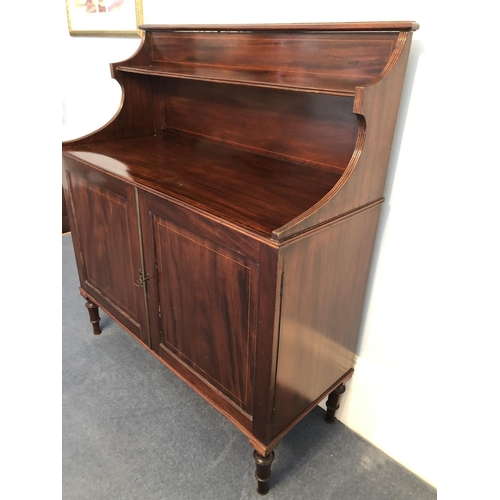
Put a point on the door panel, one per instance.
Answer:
(206, 295)
(107, 234)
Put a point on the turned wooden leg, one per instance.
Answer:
(94, 316)
(332, 403)
(263, 471)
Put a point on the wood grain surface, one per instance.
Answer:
(226, 216)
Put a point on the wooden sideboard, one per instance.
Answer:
(226, 216)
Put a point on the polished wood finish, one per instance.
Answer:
(318, 130)
(363, 182)
(332, 62)
(226, 216)
(321, 309)
(107, 242)
(206, 294)
(245, 189)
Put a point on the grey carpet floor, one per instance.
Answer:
(131, 430)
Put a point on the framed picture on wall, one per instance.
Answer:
(104, 17)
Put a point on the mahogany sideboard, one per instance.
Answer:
(226, 215)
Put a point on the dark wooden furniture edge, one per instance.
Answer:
(349, 26)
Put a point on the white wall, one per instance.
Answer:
(431, 313)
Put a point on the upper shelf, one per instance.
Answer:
(320, 58)
(285, 80)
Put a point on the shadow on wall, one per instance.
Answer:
(417, 49)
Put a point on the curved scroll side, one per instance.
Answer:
(95, 134)
(363, 181)
(391, 63)
(140, 56)
(131, 119)
(282, 232)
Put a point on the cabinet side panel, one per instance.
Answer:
(324, 284)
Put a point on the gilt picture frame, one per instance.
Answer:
(113, 18)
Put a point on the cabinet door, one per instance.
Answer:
(202, 298)
(105, 233)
